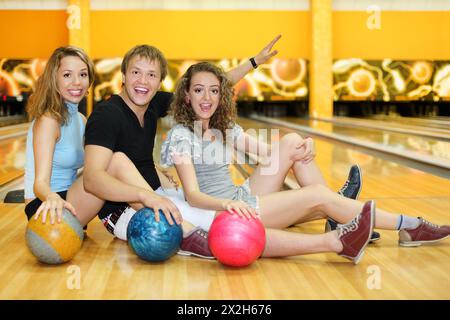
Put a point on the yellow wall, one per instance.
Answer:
(403, 35)
(200, 34)
(218, 34)
(31, 34)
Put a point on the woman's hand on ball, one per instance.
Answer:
(241, 208)
(53, 205)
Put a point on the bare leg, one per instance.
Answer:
(282, 209)
(86, 204)
(121, 167)
(269, 177)
(281, 243)
(125, 170)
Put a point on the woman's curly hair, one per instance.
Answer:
(225, 116)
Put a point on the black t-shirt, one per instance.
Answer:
(114, 125)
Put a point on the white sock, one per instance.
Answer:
(407, 222)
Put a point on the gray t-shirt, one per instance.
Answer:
(211, 161)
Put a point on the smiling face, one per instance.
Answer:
(204, 95)
(141, 81)
(72, 79)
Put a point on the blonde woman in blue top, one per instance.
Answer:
(55, 146)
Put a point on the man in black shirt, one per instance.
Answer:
(127, 123)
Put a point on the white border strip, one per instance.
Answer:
(33, 5)
(216, 5)
(391, 5)
(228, 5)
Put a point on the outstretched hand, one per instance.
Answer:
(266, 53)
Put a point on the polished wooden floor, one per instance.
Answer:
(105, 268)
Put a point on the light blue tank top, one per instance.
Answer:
(67, 158)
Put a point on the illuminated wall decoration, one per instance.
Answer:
(390, 80)
(19, 76)
(282, 79)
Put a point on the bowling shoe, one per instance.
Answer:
(351, 190)
(355, 235)
(331, 225)
(195, 243)
(426, 232)
(352, 187)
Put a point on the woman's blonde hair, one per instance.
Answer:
(46, 98)
(225, 115)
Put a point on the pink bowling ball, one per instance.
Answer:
(236, 241)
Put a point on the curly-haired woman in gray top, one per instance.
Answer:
(199, 147)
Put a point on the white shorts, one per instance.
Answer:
(198, 217)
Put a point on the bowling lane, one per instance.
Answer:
(383, 178)
(13, 130)
(442, 123)
(12, 152)
(426, 149)
(334, 159)
(12, 158)
(399, 125)
(8, 121)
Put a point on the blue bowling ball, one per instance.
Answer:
(151, 240)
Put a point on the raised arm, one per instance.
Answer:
(262, 57)
(103, 185)
(196, 198)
